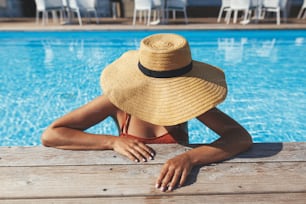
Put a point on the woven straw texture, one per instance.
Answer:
(163, 101)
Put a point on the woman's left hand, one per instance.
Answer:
(174, 172)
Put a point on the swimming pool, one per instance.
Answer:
(44, 75)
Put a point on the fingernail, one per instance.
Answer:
(152, 154)
(162, 189)
(136, 160)
(144, 160)
(156, 186)
(170, 188)
(151, 158)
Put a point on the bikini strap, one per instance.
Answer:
(126, 123)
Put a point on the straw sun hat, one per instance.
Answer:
(161, 84)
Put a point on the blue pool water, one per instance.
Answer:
(44, 75)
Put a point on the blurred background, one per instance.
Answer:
(195, 8)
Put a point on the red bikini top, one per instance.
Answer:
(166, 138)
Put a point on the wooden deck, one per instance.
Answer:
(268, 173)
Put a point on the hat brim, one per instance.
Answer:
(162, 101)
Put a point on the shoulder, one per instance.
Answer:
(101, 104)
(220, 122)
(216, 116)
(103, 100)
(212, 112)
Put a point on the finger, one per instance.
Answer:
(161, 176)
(144, 151)
(183, 178)
(175, 179)
(131, 156)
(149, 150)
(166, 180)
(136, 154)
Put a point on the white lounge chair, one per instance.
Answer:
(237, 6)
(176, 5)
(157, 9)
(144, 8)
(225, 5)
(87, 6)
(302, 13)
(275, 6)
(46, 6)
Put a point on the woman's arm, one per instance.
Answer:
(233, 140)
(67, 132)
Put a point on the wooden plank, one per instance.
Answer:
(42, 156)
(271, 152)
(279, 198)
(131, 180)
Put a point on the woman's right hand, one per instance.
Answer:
(133, 149)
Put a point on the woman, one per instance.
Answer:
(152, 93)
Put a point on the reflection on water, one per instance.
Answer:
(267, 49)
(49, 56)
(299, 41)
(234, 49)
